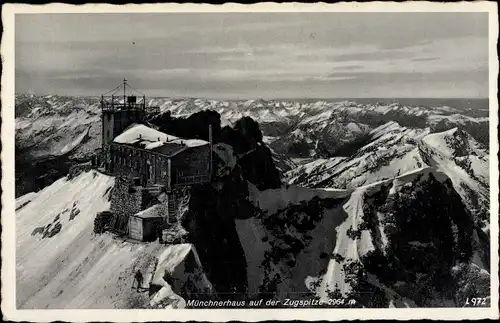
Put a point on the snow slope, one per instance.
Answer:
(251, 232)
(75, 143)
(395, 150)
(272, 200)
(305, 243)
(61, 263)
(354, 249)
(318, 243)
(466, 163)
(391, 151)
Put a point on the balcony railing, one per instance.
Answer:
(113, 103)
(192, 179)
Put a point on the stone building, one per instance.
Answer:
(147, 163)
(155, 158)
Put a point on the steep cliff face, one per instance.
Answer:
(210, 224)
(403, 242)
(213, 211)
(421, 232)
(255, 158)
(466, 162)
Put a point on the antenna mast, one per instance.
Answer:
(124, 85)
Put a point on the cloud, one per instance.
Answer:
(309, 54)
(425, 59)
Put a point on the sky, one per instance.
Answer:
(255, 55)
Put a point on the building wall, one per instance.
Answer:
(149, 167)
(127, 200)
(150, 226)
(191, 162)
(158, 166)
(152, 168)
(135, 229)
(128, 162)
(124, 118)
(113, 124)
(107, 127)
(144, 229)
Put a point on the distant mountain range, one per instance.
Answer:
(54, 125)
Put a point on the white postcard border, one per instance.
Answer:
(8, 198)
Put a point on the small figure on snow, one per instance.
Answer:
(138, 277)
(159, 233)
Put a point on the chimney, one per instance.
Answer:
(210, 140)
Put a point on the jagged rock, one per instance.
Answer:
(212, 230)
(194, 126)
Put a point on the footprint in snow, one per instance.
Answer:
(55, 230)
(74, 213)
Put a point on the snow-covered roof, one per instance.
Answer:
(152, 139)
(153, 145)
(151, 212)
(140, 133)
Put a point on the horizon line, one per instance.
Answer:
(264, 99)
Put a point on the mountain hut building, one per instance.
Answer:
(150, 160)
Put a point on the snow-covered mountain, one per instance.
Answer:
(61, 263)
(385, 204)
(395, 150)
(381, 158)
(58, 130)
(378, 245)
(56, 125)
